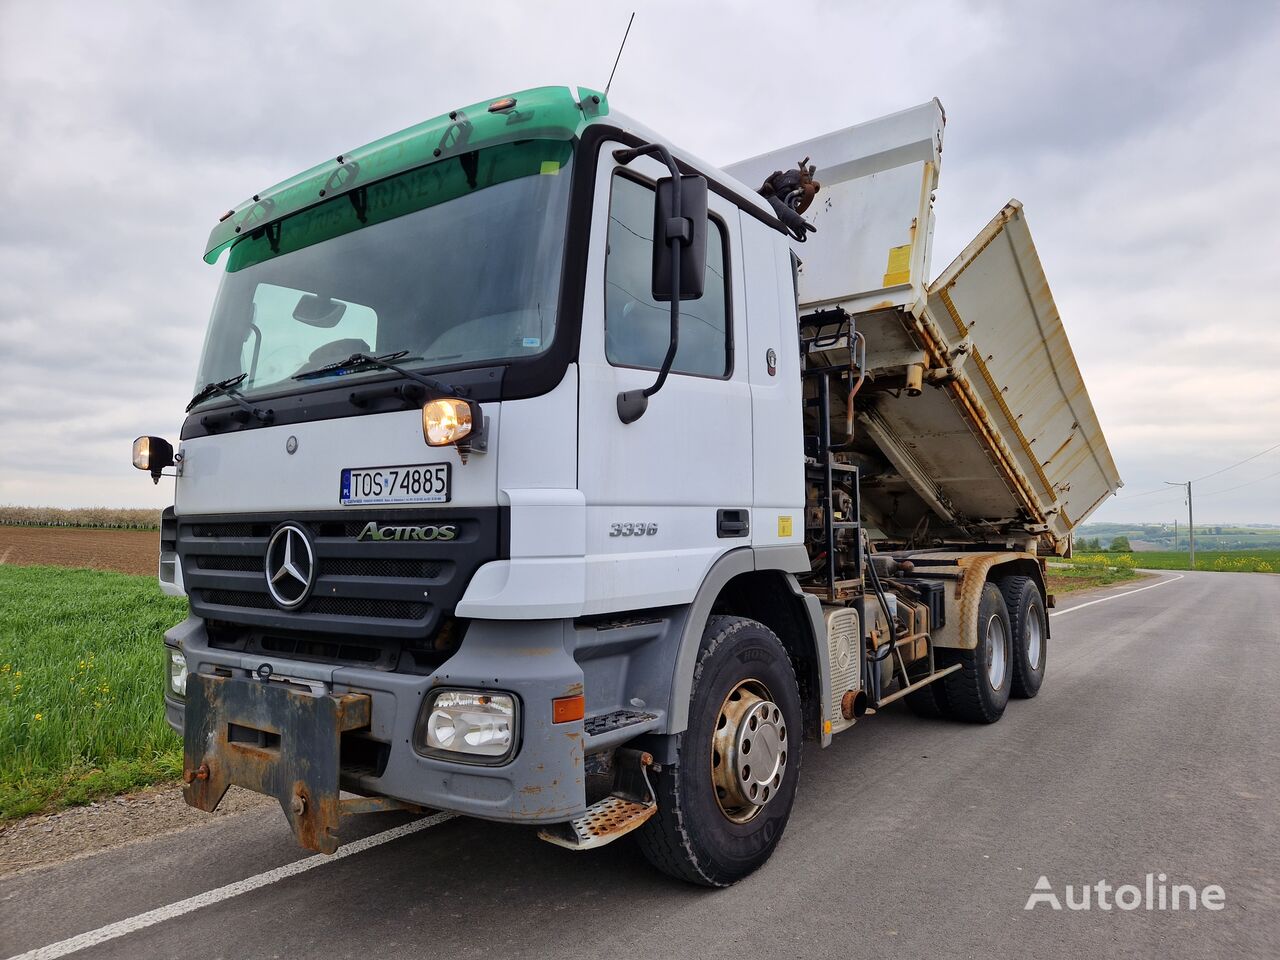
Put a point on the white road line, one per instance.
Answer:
(143, 920)
(1116, 596)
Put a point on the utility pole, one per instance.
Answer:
(1191, 523)
(1175, 534)
(1191, 527)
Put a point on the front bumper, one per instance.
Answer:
(544, 782)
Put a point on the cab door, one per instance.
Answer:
(669, 493)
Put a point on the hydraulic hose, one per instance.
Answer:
(884, 603)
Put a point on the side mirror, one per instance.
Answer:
(690, 226)
(679, 258)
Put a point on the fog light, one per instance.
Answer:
(468, 725)
(177, 672)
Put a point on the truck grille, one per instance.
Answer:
(374, 589)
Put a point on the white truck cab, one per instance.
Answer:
(530, 481)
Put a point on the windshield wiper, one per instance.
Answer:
(359, 360)
(227, 388)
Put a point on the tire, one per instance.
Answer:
(969, 694)
(701, 833)
(1030, 634)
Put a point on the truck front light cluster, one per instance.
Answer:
(470, 725)
(176, 672)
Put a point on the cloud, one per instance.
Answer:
(1138, 136)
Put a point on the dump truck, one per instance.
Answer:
(543, 473)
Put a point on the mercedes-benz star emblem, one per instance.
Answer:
(291, 566)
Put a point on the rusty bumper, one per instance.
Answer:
(274, 738)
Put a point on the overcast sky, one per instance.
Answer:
(1141, 138)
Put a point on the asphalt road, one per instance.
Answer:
(1152, 748)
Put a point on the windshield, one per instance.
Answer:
(456, 264)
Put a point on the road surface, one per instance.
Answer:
(1152, 748)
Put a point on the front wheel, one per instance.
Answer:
(723, 805)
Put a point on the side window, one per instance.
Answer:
(637, 327)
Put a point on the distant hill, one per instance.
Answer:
(1160, 536)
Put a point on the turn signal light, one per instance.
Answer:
(564, 709)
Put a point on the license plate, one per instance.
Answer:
(404, 483)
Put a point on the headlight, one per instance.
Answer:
(177, 672)
(446, 421)
(471, 725)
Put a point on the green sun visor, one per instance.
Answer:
(544, 113)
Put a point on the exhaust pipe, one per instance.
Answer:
(853, 704)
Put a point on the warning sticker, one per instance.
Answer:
(898, 269)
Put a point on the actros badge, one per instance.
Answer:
(438, 532)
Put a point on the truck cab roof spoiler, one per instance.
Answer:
(550, 113)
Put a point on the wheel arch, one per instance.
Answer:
(987, 568)
(759, 585)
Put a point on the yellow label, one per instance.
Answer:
(898, 269)
(550, 166)
(784, 526)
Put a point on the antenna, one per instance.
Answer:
(619, 56)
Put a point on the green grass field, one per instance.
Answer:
(1231, 561)
(1080, 576)
(81, 709)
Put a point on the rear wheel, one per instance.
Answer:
(979, 690)
(723, 805)
(1030, 634)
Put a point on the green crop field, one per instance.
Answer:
(1229, 561)
(81, 710)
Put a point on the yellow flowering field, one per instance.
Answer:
(1227, 561)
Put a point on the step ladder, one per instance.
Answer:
(630, 805)
(831, 475)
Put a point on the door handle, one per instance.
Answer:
(733, 523)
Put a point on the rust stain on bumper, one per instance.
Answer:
(272, 738)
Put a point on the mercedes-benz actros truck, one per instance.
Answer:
(543, 473)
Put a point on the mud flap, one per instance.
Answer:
(273, 738)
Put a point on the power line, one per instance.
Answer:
(1135, 496)
(1149, 493)
(1234, 465)
(1248, 483)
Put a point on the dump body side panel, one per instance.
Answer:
(1024, 372)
